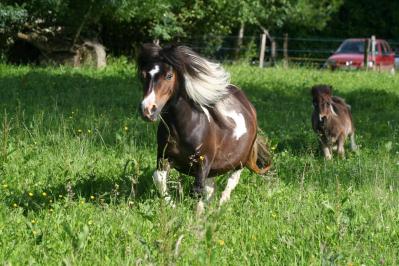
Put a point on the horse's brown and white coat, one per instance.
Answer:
(208, 126)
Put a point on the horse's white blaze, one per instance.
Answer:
(153, 71)
(206, 113)
(149, 100)
(240, 128)
(231, 184)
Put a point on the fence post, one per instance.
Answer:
(366, 54)
(273, 53)
(373, 51)
(285, 49)
(262, 49)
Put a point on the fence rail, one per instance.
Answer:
(300, 50)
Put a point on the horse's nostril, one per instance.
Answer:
(153, 109)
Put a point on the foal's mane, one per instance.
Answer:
(205, 82)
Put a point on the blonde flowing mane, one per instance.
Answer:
(205, 82)
(209, 84)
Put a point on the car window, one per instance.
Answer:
(386, 50)
(377, 50)
(351, 47)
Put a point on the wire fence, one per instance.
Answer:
(312, 51)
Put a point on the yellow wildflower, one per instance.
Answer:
(79, 131)
(30, 194)
(90, 222)
(15, 205)
(201, 157)
(221, 242)
(5, 186)
(44, 194)
(126, 128)
(33, 221)
(92, 197)
(89, 131)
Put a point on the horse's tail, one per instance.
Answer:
(260, 159)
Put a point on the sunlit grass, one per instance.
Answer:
(76, 163)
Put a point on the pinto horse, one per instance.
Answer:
(208, 127)
(332, 121)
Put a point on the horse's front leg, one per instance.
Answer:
(204, 186)
(160, 177)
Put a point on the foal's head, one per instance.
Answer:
(158, 78)
(322, 101)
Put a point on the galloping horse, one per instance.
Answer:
(208, 127)
(332, 121)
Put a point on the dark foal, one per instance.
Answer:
(332, 121)
(208, 127)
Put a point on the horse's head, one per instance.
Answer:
(322, 101)
(158, 79)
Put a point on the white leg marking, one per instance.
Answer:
(200, 208)
(353, 143)
(153, 71)
(160, 178)
(327, 153)
(231, 184)
(209, 189)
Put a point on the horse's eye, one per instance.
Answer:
(169, 76)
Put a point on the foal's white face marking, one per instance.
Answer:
(239, 120)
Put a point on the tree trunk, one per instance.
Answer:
(240, 38)
(58, 51)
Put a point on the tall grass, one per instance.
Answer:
(76, 163)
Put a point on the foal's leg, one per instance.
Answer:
(341, 143)
(327, 151)
(231, 184)
(353, 143)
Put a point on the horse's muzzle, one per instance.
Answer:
(149, 114)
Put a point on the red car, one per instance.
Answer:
(350, 55)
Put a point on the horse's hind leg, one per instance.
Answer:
(231, 184)
(341, 143)
(353, 143)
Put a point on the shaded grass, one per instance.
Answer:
(76, 163)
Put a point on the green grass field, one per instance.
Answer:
(76, 164)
